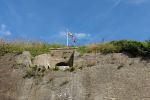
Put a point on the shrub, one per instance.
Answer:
(132, 47)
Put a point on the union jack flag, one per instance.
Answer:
(72, 37)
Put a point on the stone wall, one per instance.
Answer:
(59, 56)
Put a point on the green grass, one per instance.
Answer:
(95, 48)
(34, 48)
(134, 48)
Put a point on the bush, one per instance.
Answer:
(132, 47)
(148, 48)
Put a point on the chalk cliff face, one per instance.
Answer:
(96, 77)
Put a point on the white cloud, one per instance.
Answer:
(3, 26)
(81, 35)
(76, 35)
(4, 31)
(62, 34)
(7, 33)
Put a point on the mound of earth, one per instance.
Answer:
(96, 77)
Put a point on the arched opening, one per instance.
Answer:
(62, 64)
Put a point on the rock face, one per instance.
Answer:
(105, 80)
(24, 58)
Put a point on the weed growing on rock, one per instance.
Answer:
(120, 66)
(72, 69)
(64, 83)
(56, 68)
(35, 71)
(50, 80)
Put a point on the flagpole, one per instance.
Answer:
(67, 38)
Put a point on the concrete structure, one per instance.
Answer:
(24, 58)
(43, 60)
(62, 57)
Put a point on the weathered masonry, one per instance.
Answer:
(62, 57)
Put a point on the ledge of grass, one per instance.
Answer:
(134, 48)
(34, 48)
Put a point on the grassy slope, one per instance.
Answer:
(134, 48)
(34, 48)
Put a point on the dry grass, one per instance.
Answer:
(133, 48)
(35, 48)
(104, 48)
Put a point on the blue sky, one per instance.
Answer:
(90, 21)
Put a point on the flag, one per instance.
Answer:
(72, 37)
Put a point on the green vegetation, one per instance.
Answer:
(34, 48)
(120, 66)
(30, 72)
(35, 72)
(56, 68)
(134, 48)
(93, 48)
(131, 47)
(64, 83)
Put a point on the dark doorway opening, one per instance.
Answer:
(62, 64)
